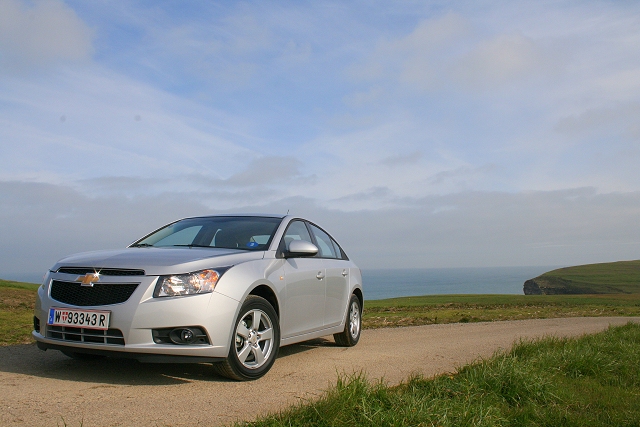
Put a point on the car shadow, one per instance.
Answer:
(27, 359)
(305, 346)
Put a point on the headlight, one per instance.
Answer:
(200, 282)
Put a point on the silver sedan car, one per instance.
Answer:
(226, 289)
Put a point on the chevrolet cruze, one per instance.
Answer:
(228, 290)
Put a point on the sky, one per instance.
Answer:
(420, 134)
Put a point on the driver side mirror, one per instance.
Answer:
(301, 248)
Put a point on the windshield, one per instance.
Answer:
(251, 233)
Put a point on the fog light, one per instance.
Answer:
(187, 335)
(182, 336)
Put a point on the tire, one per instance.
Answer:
(253, 349)
(82, 356)
(352, 325)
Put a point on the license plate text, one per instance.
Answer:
(90, 319)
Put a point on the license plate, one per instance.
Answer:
(89, 319)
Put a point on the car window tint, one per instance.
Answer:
(297, 231)
(182, 237)
(325, 245)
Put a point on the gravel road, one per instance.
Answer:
(48, 389)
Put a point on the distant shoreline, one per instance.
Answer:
(392, 283)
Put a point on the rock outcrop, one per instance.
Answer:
(532, 288)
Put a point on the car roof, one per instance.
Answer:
(239, 215)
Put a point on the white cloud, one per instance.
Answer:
(501, 60)
(114, 126)
(416, 57)
(268, 170)
(41, 33)
(402, 159)
(464, 175)
(621, 119)
(451, 51)
(262, 181)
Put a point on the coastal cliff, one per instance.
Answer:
(606, 278)
(558, 286)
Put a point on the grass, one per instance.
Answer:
(17, 301)
(589, 381)
(431, 309)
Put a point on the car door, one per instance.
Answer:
(305, 287)
(337, 277)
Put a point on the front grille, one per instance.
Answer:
(101, 271)
(67, 333)
(99, 294)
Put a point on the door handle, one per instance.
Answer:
(344, 273)
(320, 275)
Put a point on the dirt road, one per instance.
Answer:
(47, 388)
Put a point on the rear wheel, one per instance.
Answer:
(255, 341)
(352, 326)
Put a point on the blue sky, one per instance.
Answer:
(419, 133)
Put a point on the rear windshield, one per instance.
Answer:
(251, 233)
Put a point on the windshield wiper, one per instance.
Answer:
(141, 245)
(194, 246)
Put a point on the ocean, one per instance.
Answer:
(391, 283)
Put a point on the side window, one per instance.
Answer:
(325, 244)
(296, 231)
(338, 250)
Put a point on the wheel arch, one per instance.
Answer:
(358, 292)
(264, 291)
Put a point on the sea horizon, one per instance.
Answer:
(382, 283)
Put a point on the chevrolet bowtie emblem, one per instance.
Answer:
(88, 279)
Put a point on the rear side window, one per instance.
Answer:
(339, 253)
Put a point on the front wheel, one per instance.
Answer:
(255, 342)
(352, 326)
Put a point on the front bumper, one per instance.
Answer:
(137, 317)
(141, 357)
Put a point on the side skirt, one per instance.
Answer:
(311, 335)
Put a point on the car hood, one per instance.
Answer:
(160, 261)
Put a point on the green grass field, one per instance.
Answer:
(590, 381)
(430, 309)
(16, 312)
